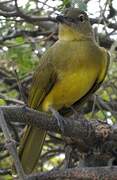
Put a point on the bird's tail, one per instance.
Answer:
(31, 147)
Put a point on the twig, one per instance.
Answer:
(10, 144)
(23, 33)
(20, 87)
(11, 100)
(5, 171)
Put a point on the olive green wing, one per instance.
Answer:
(43, 80)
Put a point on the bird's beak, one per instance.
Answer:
(66, 20)
(60, 19)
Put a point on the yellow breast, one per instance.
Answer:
(70, 88)
(76, 75)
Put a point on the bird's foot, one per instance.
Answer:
(68, 151)
(59, 118)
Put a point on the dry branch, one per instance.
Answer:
(84, 133)
(102, 173)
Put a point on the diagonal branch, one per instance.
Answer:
(10, 144)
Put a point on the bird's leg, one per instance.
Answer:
(74, 110)
(68, 148)
(60, 118)
(68, 151)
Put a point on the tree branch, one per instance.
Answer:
(108, 23)
(84, 133)
(23, 33)
(31, 18)
(89, 173)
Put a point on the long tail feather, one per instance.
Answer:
(31, 147)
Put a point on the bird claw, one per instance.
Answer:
(59, 118)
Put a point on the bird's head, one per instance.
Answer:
(74, 24)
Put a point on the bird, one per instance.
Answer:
(69, 71)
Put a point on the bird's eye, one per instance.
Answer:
(82, 18)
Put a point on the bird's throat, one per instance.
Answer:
(69, 34)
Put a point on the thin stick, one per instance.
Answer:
(20, 87)
(10, 144)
